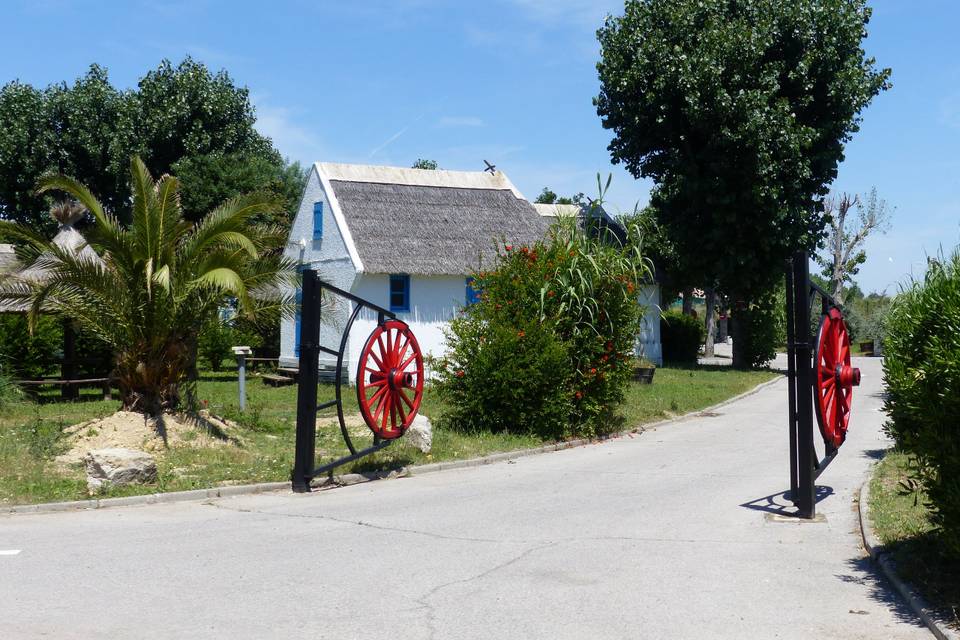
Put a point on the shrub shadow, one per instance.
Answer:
(864, 572)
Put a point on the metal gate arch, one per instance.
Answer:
(393, 372)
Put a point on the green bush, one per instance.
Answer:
(547, 349)
(866, 317)
(681, 336)
(218, 337)
(30, 355)
(922, 370)
(215, 343)
(765, 328)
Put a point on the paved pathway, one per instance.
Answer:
(664, 535)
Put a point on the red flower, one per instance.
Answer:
(508, 247)
(550, 294)
(521, 333)
(593, 371)
(578, 395)
(460, 373)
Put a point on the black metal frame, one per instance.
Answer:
(805, 466)
(305, 453)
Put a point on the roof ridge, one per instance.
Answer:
(387, 175)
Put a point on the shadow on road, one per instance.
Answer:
(864, 572)
(780, 504)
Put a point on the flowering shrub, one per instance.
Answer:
(548, 347)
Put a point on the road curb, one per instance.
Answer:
(882, 559)
(347, 479)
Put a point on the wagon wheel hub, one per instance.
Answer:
(848, 376)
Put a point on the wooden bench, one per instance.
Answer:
(32, 386)
(275, 380)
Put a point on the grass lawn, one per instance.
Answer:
(902, 523)
(30, 433)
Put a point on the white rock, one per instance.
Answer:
(420, 433)
(117, 466)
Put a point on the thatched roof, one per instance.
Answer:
(430, 222)
(67, 238)
(8, 259)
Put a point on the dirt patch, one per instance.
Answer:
(132, 430)
(356, 427)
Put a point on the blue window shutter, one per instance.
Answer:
(296, 329)
(317, 220)
(399, 292)
(473, 296)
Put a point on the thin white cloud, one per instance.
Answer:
(950, 111)
(460, 121)
(290, 138)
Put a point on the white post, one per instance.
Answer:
(242, 353)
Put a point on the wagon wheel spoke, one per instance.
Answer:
(403, 396)
(408, 361)
(399, 406)
(401, 352)
(376, 393)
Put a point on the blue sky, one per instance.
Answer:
(510, 81)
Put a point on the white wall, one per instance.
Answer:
(434, 300)
(329, 257)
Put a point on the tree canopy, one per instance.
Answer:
(180, 117)
(549, 196)
(739, 111)
(421, 163)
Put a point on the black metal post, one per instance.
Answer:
(792, 379)
(805, 499)
(305, 453)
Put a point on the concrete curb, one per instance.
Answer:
(937, 625)
(347, 479)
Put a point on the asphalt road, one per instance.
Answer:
(668, 534)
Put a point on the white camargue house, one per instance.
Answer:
(407, 240)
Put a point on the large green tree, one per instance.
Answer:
(180, 117)
(147, 289)
(739, 111)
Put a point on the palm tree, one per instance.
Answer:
(146, 290)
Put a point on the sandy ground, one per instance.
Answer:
(132, 430)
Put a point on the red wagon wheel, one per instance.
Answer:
(390, 379)
(835, 378)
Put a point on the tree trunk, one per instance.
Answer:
(711, 322)
(68, 368)
(740, 331)
(688, 302)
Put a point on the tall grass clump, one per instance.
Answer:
(922, 369)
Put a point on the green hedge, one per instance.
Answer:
(922, 370)
(681, 337)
